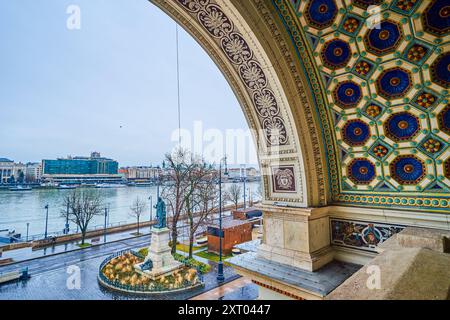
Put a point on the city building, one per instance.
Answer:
(78, 170)
(33, 172)
(140, 173)
(11, 172)
(6, 170)
(80, 165)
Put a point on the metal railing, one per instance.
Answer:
(41, 236)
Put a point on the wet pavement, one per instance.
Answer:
(50, 279)
(28, 253)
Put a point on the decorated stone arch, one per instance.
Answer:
(324, 86)
(292, 167)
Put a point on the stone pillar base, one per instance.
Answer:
(297, 237)
(160, 254)
(308, 261)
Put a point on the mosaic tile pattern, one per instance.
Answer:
(361, 234)
(384, 67)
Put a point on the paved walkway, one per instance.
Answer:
(222, 291)
(55, 261)
(28, 253)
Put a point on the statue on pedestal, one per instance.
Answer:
(161, 214)
(159, 261)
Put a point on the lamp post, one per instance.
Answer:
(106, 217)
(158, 182)
(46, 222)
(28, 228)
(220, 276)
(66, 228)
(151, 208)
(245, 180)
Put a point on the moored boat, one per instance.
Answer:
(109, 185)
(20, 188)
(66, 187)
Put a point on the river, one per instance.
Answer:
(19, 208)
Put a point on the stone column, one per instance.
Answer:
(298, 237)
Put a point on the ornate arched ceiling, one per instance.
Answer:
(385, 83)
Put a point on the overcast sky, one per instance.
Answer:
(108, 87)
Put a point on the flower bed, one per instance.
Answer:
(118, 273)
(202, 267)
(192, 263)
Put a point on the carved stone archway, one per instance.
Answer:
(246, 44)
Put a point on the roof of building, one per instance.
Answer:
(5, 160)
(230, 223)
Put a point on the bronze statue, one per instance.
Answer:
(161, 214)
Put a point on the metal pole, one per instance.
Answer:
(66, 229)
(220, 276)
(157, 185)
(46, 222)
(151, 208)
(28, 227)
(245, 195)
(104, 234)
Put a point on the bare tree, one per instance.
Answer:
(83, 207)
(205, 201)
(137, 209)
(233, 194)
(179, 186)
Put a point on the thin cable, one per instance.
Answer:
(178, 85)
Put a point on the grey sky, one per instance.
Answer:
(109, 87)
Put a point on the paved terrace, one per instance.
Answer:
(320, 282)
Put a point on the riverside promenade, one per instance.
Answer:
(96, 238)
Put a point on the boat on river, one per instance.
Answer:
(7, 236)
(20, 188)
(109, 185)
(66, 187)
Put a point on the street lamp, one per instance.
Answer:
(105, 230)
(245, 180)
(28, 227)
(66, 229)
(46, 222)
(220, 276)
(158, 181)
(151, 208)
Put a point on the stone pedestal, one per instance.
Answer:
(297, 237)
(159, 253)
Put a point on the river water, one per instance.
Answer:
(19, 208)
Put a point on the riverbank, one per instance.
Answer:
(16, 252)
(25, 213)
